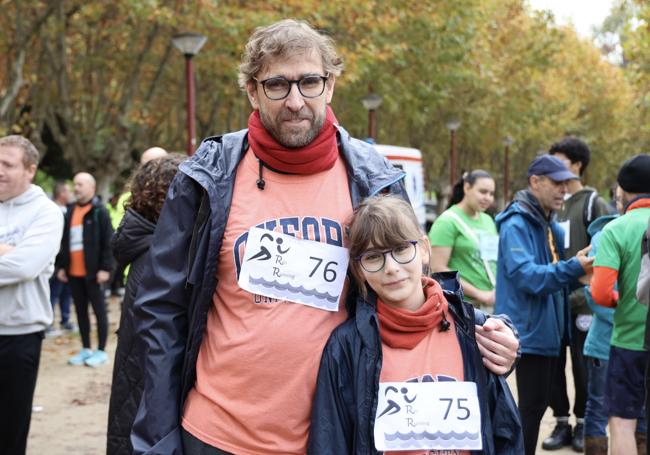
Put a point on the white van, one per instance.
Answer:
(410, 161)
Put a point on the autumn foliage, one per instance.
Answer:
(105, 82)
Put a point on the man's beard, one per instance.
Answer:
(293, 138)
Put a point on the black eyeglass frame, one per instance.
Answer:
(383, 255)
(324, 79)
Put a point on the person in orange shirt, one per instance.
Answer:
(409, 340)
(85, 261)
(232, 370)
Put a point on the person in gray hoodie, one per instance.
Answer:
(31, 226)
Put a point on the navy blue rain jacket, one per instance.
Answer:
(180, 276)
(530, 288)
(345, 403)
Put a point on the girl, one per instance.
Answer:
(464, 237)
(409, 341)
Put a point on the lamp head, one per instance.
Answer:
(189, 43)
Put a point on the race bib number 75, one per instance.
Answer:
(428, 415)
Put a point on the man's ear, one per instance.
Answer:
(329, 88)
(251, 92)
(31, 171)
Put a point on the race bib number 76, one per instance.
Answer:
(302, 271)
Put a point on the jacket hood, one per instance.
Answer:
(132, 238)
(205, 163)
(6, 207)
(599, 223)
(524, 203)
(28, 196)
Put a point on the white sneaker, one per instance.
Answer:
(80, 358)
(97, 358)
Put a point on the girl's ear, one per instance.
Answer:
(426, 250)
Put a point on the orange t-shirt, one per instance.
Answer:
(77, 261)
(436, 357)
(258, 362)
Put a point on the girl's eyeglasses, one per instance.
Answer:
(374, 260)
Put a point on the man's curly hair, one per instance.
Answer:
(149, 184)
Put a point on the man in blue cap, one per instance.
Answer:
(533, 282)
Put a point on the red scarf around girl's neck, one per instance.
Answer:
(317, 156)
(401, 328)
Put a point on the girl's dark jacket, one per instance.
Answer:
(129, 244)
(345, 402)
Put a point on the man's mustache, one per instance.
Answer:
(300, 115)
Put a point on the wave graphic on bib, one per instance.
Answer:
(323, 297)
(415, 440)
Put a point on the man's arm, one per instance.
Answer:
(523, 270)
(35, 250)
(606, 269)
(603, 286)
(161, 321)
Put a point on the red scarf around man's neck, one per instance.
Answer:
(401, 328)
(317, 156)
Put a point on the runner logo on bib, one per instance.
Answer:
(286, 268)
(428, 415)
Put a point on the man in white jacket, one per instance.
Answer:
(31, 226)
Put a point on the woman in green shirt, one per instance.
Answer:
(465, 238)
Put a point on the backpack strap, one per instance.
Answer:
(588, 209)
(643, 283)
(470, 234)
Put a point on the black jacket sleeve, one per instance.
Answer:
(106, 261)
(161, 310)
(506, 423)
(332, 427)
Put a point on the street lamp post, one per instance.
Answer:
(371, 102)
(452, 125)
(507, 142)
(189, 44)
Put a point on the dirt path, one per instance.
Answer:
(74, 400)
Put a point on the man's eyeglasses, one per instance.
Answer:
(278, 88)
(374, 260)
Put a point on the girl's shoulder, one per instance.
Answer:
(348, 335)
